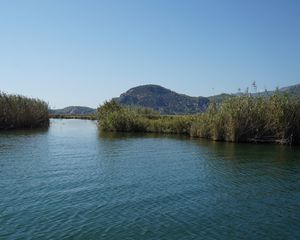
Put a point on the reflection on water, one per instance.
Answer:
(74, 182)
(10, 140)
(120, 135)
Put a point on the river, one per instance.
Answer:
(73, 182)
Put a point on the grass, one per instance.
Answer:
(243, 118)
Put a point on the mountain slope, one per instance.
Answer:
(169, 102)
(293, 91)
(166, 101)
(163, 100)
(73, 110)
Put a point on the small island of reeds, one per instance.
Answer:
(245, 118)
(19, 112)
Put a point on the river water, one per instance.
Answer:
(73, 182)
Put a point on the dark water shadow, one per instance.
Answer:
(239, 152)
(135, 135)
(24, 132)
(11, 140)
(245, 152)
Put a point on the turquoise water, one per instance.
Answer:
(71, 182)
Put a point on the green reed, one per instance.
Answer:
(17, 111)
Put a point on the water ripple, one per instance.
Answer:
(73, 183)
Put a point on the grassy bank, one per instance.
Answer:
(65, 116)
(21, 112)
(237, 119)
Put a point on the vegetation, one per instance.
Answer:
(248, 118)
(244, 118)
(169, 102)
(113, 117)
(75, 116)
(21, 112)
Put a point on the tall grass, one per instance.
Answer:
(113, 117)
(21, 112)
(243, 118)
(247, 118)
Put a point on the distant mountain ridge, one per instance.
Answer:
(166, 101)
(293, 90)
(73, 110)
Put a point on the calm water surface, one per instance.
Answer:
(71, 182)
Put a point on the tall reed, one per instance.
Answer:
(244, 118)
(17, 111)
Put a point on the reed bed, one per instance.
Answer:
(17, 112)
(243, 118)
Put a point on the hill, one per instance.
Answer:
(73, 110)
(293, 90)
(166, 101)
(162, 100)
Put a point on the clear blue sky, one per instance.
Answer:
(84, 52)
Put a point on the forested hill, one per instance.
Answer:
(293, 91)
(73, 110)
(166, 101)
(163, 100)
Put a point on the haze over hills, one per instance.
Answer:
(167, 101)
(293, 90)
(73, 110)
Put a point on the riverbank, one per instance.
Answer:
(19, 112)
(245, 118)
(84, 117)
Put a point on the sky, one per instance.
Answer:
(83, 52)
